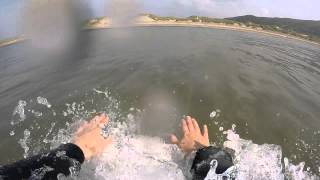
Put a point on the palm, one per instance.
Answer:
(89, 138)
(192, 139)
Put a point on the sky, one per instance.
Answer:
(297, 9)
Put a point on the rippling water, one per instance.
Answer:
(146, 79)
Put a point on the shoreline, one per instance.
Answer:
(204, 25)
(11, 41)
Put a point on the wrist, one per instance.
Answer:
(84, 149)
(199, 145)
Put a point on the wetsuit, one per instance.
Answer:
(67, 159)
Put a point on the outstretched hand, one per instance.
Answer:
(192, 139)
(88, 137)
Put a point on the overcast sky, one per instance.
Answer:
(299, 9)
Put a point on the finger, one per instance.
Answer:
(93, 123)
(184, 127)
(82, 127)
(196, 126)
(205, 131)
(189, 123)
(103, 119)
(107, 118)
(107, 141)
(95, 119)
(79, 130)
(174, 139)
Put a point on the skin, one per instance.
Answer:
(193, 138)
(88, 137)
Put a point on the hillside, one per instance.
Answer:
(307, 29)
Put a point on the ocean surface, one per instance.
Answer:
(259, 95)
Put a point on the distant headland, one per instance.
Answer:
(304, 30)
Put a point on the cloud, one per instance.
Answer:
(227, 8)
(218, 8)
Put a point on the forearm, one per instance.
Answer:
(46, 165)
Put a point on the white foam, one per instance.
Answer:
(24, 142)
(134, 156)
(43, 101)
(261, 162)
(139, 157)
(12, 133)
(18, 114)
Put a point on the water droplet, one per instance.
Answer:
(11, 133)
(213, 114)
(233, 127)
(43, 101)
(60, 153)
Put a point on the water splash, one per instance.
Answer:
(263, 162)
(134, 160)
(43, 101)
(18, 114)
(24, 142)
(39, 174)
(134, 156)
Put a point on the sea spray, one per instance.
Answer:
(135, 156)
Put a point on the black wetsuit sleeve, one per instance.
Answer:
(66, 159)
(201, 163)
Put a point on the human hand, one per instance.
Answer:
(192, 139)
(88, 137)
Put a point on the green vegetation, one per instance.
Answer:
(201, 19)
(305, 29)
(210, 20)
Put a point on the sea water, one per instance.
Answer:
(136, 156)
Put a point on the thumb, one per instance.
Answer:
(205, 131)
(174, 139)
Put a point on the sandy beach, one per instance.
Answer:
(104, 23)
(145, 21)
(11, 41)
